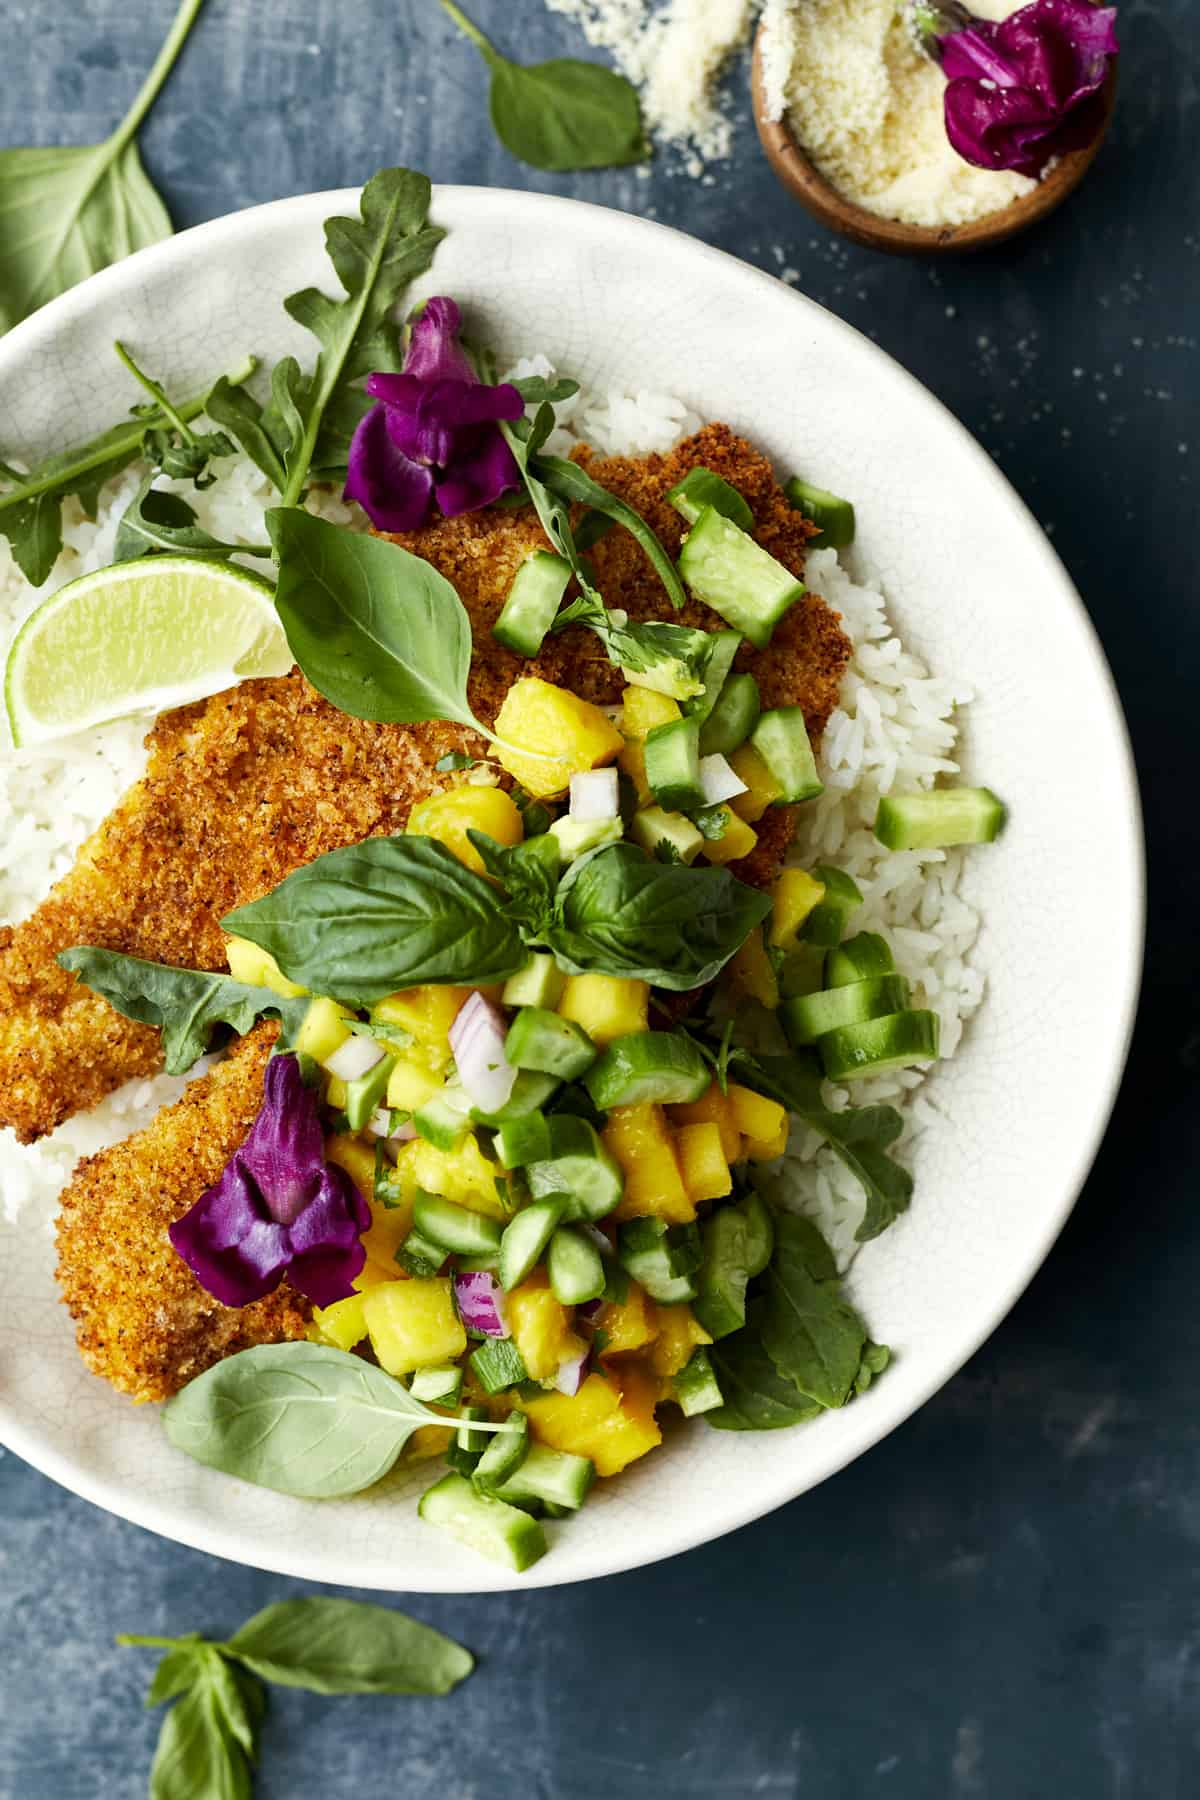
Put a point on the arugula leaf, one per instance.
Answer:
(813, 1336)
(559, 115)
(333, 1646)
(174, 447)
(186, 1004)
(568, 482)
(156, 521)
(67, 211)
(389, 913)
(859, 1136)
(301, 1418)
(621, 912)
(534, 389)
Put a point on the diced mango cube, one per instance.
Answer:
(411, 1084)
(713, 1107)
(372, 1273)
(762, 789)
(751, 974)
(630, 1324)
(702, 1162)
(766, 1149)
(465, 1175)
(323, 1029)
(414, 1324)
(357, 1158)
(612, 1426)
(737, 840)
(336, 1093)
(643, 709)
(541, 1327)
(566, 734)
(450, 815)
(639, 1139)
(343, 1324)
(793, 896)
(426, 1442)
(426, 1013)
(678, 1335)
(389, 1225)
(258, 968)
(757, 1117)
(607, 1006)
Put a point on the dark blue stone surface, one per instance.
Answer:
(1001, 1602)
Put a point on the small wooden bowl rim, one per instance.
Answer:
(806, 184)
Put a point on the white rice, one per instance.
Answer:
(895, 728)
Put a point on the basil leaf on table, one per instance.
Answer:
(389, 913)
(156, 521)
(301, 1418)
(186, 1004)
(559, 115)
(621, 912)
(197, 1753)
(334, 1646)
(177, 1670)
(66, 211)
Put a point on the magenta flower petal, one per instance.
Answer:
(392, 489)
(478, 479)
(434, 352)
(278, 1208)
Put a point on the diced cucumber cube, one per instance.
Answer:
(503, 1456)
(653, 826)
(539, 983)
(419, 1256)
(662, 1258)
(530, 1093)
(896, 1041)
(444, 1119)
(525, 1238)
(860, 958)
(723, 647)
(554, 1477)
(672, 754)
(459, 1230)
(578, 1166)
(720, 1305)
(575, 1267)
(544, 1041)
(498, 1365)
(364, 1095)
(781, 739)
(939, 820)
(648, 1067)
(695, 1387)
(733, 718)
(533, 599)
(726, 569)
(834, 515)
(437, 1387)
(504, 1533)
(523, 1140)
(576, 837)
(811, 1016)
(701, 487)
(467, 1446)
(826, 922)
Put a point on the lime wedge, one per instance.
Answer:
(140, 636)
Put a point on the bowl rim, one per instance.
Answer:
(213, 1536)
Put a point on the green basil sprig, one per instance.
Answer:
(559, 115)
(304, 1419)
(209, 1740)
(157, 522)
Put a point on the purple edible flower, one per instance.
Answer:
(279, 1208)
(433, 434)
(1026, 89)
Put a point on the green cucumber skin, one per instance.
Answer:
(364, 1095)
(725, 646)
(695, 1387)
(496, 1530)
(504, 1455)
(733, 574)
(760, 1233)
(860, 958)
(720, 1305)
(896, 1041)
(579, 1167)
(498, 1365)
(437, 1387)
(699, 488)
(523, 1140)
(539, 983)
(830, 512)
(672, 753)
(941, 819)
(542, 1042)
(781, 739)
(531, 1090)
(440, 1124)
(733, 718)
(533, 600)
(647, 1067)
(456, 1228)
(827, 920)
(807, 1019)
(575, 1267)
(556, 1477)
(663, 1259)
(525, 1238)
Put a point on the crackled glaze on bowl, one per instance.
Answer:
(974, 586)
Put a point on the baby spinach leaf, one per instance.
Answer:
(301, 1418)
(186, 1004)
(859, 1136)
(559, 115)
(156, 521)
(69, 210)
(757, 1397)
(333, 1646)
(621, 912)
(813, 1336)
(392, 912)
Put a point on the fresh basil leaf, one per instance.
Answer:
(535, 389)
(559, 115)
(756, 1396)
(196, 1754)
(376, 629)
(389, 913)
(177, 1670)
(875, 1359)
(528, 879)
(621, 912)
(813, 1336)
(333, 1646)
(239, 1700)
(301, 1418)
(859, 1136)
(186, 1004)
(572, 484)
(156, 521)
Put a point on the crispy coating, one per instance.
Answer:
(143, 1320)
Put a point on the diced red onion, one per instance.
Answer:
(571, 1372)
(353, 1058)
(595, 795)
(588, 1311)
(719, 781)
(380, 1126)
(481, 1303)
(477, 1040)
(602, 1243)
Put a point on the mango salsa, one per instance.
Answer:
(426, 1013)
(465, 1175)
(702, 1162)
(679, 1332)
(541, 1327)
(713, 1107)
(258, 968)
(323, 1030)
(756, 1116)
(557, 725)
(640, 1140)
(762, 789)
(411, 1084)
(343, 1324)
(642, 711)
(737, 840)
(750, 972)
(607, 1006)
(793, 896)
(611, 1424)
(413, 1324)
(449, 816)
(630, 1324)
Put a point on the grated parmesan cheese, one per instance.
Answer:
(674, 51)
(867, 107)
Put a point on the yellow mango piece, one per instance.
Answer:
(678, 1335)
(258, 968)
(323, 1030)
(713, 1107)
(541, 1326)
(737, 840)
(414, 1324)
(357, 1158)
(607, 1006)
(449, 816)
(465, 1175)
(762, 789)
(702, 1162)
(766, 1149)
(750, 972)
(389, 1225)
(639, 1139)
(372, 1273)
(757, 1117)
(427, 1442)
(613, 1426)
(335, 1093)
(343, 1324)
(630, 1325)
(643, 709)
(411, 1084)
(427, 1013)
(570, 733)
(793, 897)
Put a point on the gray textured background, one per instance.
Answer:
(1000, 1602)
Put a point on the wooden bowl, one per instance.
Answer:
(806, 184)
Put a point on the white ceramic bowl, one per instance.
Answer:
(975, 586)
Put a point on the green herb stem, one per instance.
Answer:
(157, 393)
(471, 30)
(135, 1639)
(148, 93)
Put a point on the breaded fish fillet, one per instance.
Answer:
(144, 1321)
